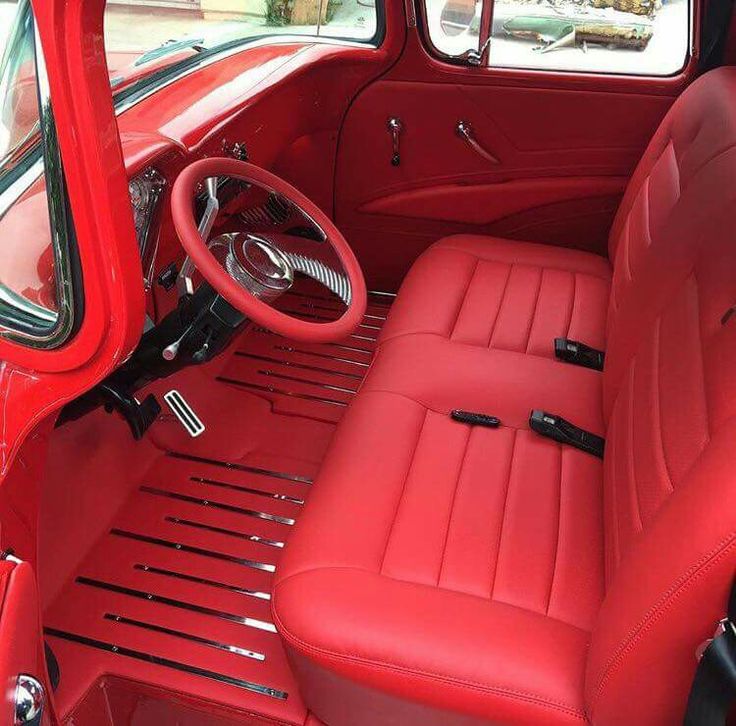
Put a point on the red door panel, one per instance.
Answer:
(563, 159)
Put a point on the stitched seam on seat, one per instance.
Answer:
(512, 458)
(534, 310)
(614, 445)
(572, 305)
(630, 461)
(505, 261)
(665, 602)
(646, 211)
(464, 299)
(627, 249)
(403, 489)
(557, 541)
(452, 503)
(500, 305)
(467, 684)
(656, 385)
(706, 402)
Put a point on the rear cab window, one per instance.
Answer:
(630, 37)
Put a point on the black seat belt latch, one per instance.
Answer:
(579, 354)
(556, 428)
(475, 419)
(713, 690)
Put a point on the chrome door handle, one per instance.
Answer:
(30, 699)
(465, 131)
(395, 127)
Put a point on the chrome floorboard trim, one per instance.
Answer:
(223, 530)
(167, 663)
(202, 581)
(325, 356)
(185, 636)
(180, 604)
(247, 490)
(189, 549)
(307, 382)
(240, 467)
(280, 391)
(300, 366)
(218, 505)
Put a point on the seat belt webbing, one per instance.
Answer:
(713, 692)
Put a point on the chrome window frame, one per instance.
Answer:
(22, 320)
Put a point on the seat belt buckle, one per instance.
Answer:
(579, 354)
(557, 428)
(723, 626)
(475, 419)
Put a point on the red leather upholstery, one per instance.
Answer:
(505, 295)
(443, 573)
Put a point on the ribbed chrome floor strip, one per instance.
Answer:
(190, 549)
(325, 356)
(223, 530)
(343, 346)
(308, 381)
(218, 505)
(300, 366)
(185, 636)
(167, 663)
(172, 602)
(382, 294)
(247, 490)
(357, 336)
(312, 306)
(351, 348)
(323, 318)
(202, 581)
(280, 391)
(240, 467)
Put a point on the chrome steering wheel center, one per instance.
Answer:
(255, 262)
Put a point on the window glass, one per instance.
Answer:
(142, 36)
(18, 94)
(35, 279)
(635, 37)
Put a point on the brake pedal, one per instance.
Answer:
(184, 413)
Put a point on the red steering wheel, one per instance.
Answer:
(270, 253)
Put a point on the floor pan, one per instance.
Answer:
(177, 593)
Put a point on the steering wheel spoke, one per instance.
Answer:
(334, 281)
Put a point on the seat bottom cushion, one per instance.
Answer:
(505, 295)
(458, 568)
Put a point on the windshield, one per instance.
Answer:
(143, 36)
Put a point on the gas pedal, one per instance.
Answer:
(184, 413)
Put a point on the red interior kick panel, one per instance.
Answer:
(564, 154)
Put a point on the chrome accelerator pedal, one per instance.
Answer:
(184, 413)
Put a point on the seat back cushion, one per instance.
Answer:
(670, 388)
